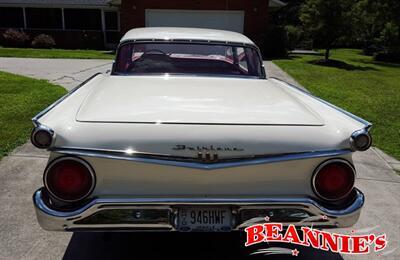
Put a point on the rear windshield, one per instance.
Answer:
(188, 58)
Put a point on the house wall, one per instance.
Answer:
(80, 35)
(132, 12)
(132, 15)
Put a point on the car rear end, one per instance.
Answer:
(92, 191)
(168, 142)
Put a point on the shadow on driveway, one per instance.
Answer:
(99, 245)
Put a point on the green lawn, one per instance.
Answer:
(20, 99)
(55, 53)
(356, 83)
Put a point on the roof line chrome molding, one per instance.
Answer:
(196, 41)
(367, 124)
(47, 109)
(190, 162)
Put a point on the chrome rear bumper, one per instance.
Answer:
(160, 214)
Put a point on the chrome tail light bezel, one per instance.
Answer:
(320, 167)
(45, 129)
(79, 160)
(357, 134)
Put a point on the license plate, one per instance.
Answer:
(204, 219)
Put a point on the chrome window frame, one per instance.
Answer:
(194, 41)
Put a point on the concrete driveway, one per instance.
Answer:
(21, 175)
(65, 72)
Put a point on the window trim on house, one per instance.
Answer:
(42, 28)
(69, 13)
(62, 7)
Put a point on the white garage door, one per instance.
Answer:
(215, 19)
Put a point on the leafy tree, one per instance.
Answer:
(287, 17)
(376, 23)
(390, 37)
(289, 14)
(294, 36)
(325, 20)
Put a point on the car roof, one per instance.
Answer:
(180, 33)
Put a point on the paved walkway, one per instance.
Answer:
(21, 173)
(273, 70)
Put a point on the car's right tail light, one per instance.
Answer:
(69, 179)
(360, 140)
(334, 179)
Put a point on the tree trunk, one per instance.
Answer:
(327, 54)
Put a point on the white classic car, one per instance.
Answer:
(188, 133)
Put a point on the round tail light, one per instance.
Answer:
(334, 179)
(69, 179)
(360, 140)
(42, 137)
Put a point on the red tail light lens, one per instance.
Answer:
(334, 179)
(69, 179)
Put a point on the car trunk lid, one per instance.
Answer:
(194, 100)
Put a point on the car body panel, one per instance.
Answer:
(161, 137)
(194, 100)
(135, 178)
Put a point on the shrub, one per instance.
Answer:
(14, 38)
(387, 56)
(390, 37)
(371, 49)
(43, 41)
(390, 42)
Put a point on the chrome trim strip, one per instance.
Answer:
(169, 160)
(185, 75)
(198, 201)
(194, 41)
(367, 124)
(193, 123)
(51, 219)
(323, 164)
(47, 109)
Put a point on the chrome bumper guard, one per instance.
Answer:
(160, 214)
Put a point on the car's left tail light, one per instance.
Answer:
(42, 137)
(69, 179)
